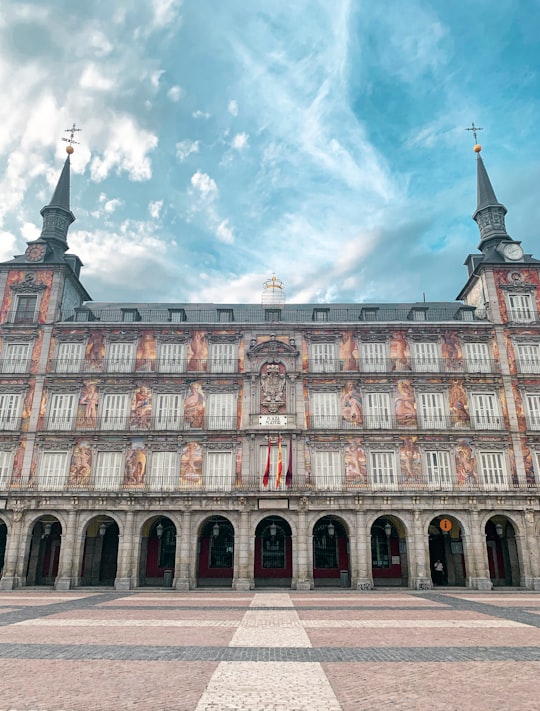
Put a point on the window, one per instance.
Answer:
(10, 407)
(374, 357)
(221, 411)
(426, 357)
(120, 357)
(325, 546)
(108, 471)
(16, 358)
(323, 357)
(520, 308)
(368, 314)
(380, 548)
(164, 471)
(438, 472)
(533, 411)
(329, 472)
(378, 410)
(225, 315)
(172, 357)
(114, 412)
(130, 315)
(53, 470)
(177, 315)
(25, 310)
(223, 357)
(321, 314)
(219, 471)
(432, 410)
(69, 357)
(272, 314)
(418, 314)
(324, 410)
(383, 470)
(493, 470)
(485, 413)
(61, 411)
(477, 357)
(168, 411)
(528, 357)
(6, 464)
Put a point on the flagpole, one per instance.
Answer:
(288, 476)
(279, 465)
(266, 477)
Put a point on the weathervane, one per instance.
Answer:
(70, 140)
(477, 147)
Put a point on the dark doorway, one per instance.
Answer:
(44, 554)
(502, 552)
(273, 553)
(158, 553)
(216, 553)
(330, 553)
(389, 553)
(100, 557)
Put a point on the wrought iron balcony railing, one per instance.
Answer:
(13, 366)
(391, 422)
(142, 365)
(133, 423)
(414, 365)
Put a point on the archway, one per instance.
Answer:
(389, 564)
(446, 550)
(44, 553)
(216, 553)
(100, 557)
(3, 541)
(330, 553)
(503, 558)
(158, 552)
(273, 553)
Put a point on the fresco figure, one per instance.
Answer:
(191, 465)
(528, 464)
(405, 404)
(95, 351)
(27, 406)
(459, 406)
(88, 406)
(400, 353)
(451, 351)
(81, 465)
(145, 358)
(135, 467)
(355, 464)
(194, 406)
(410, 460)
(465, 464)
(141, 408)
(238, 466)
(351, 404)
(197, 352)
(348, 351)
(16, 472)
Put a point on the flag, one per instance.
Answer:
(266, 476)
(279, 467)
(288, 476)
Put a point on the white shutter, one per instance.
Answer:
(533, 409)
(520, 308)
(164, 471)
(485, 412)
(70, 357)
(383, 470)
(529, 357)
(223, 358)
(52, 471)
(10, 405)
(6, 465)
(172, 357)
(378, 410)
(168, 411)
(219, 471)
(114, 411)
(324, 410)
(374, 357)
(61, 411)
(432, 410)
(477, 357)
(329, 472)
(426, 357)
(120, 357)
(108, 471)
(323, 358)
(438, 472)
(16, 357)
(221, 411)
(493, 470)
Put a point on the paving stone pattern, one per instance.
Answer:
(269, 651)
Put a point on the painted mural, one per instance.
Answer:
(194, 406)
(519, 276)
(197, 352)
(21, 277)
(351, 404)
(18, 461)
(459, 405)
(528, 463)
(400, 353)
(141, 408)
(466, 464)
(145, 359)
(355, 464)
(95, 351)
(191, 462)
(307, 462)
(238, 466)
(520, 411)
(88, 406)
(451, 351)
(348, 351)
(80, 469)
(135, 467)
(27, 406)
(36, 352)
(405, 404)
(410, 459)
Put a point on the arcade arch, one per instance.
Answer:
(157, 552)
(389, 562)
(502, 551)
(273, 553)
(330, 553)
(216, 552)
(44, 551)
(446, 548)
(100, 555)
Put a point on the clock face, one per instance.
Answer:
(35, 252)
(513, 251)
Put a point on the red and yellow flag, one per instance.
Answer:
(288, 476)
(266, 476)
(279, 466)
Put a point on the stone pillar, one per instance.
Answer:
(64, 579)
(479, 570)
(78, 548)
(531, 576)
(125, 541)
(421, 579)
(182, 555)
(364, 579)
(302, 578)
(10, 580)
(242, 577)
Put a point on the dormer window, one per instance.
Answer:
(130, 315)
(177, 315)
(418, 313)
(369, 314)
(320, 314)
(225, 315)
(272, 314)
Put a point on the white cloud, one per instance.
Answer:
(198, 114)
(155, 77)
(232, 108)
(7, 245)
(154, 208)
(111, 205)
(205, 185)
(30, 231)
(175, 93)
(92, 79)
(240, 141)
(100, 43)
(165, 11)
(185, 148)
(126, 149)
(224, 232)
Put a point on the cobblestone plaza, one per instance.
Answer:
(269, 651)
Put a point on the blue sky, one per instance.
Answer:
(224, 140)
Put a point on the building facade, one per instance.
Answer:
(295, 445)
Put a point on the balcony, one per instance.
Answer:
(161, 366)
(422, 423)
(15, 366)
(388, 365)
(130, 423)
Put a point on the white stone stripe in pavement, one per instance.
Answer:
(270, 628)
(271, 600)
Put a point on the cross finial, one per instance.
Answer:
(474, 130)
(70, 140)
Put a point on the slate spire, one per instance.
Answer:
(490, 213)
(57, 215)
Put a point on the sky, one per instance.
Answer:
(226, 140)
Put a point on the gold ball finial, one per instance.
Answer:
(69, 150)
(477, 148)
